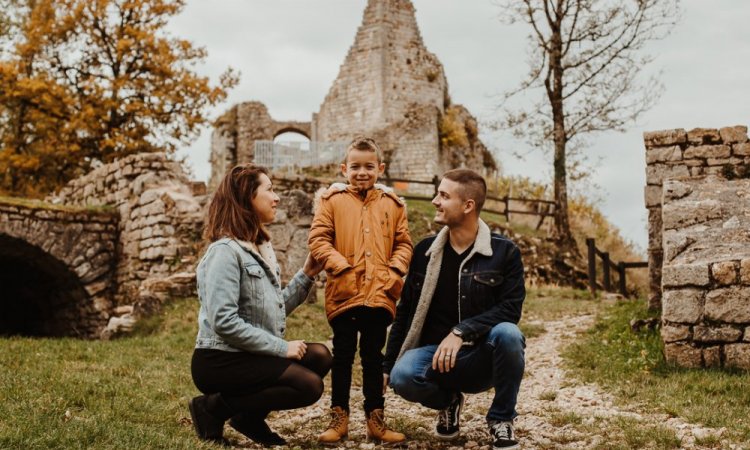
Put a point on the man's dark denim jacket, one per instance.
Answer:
(491, 290)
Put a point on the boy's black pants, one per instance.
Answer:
(370, 325)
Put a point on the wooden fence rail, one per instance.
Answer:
(542, 208)
(621, 268)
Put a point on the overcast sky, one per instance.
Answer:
(289, 53)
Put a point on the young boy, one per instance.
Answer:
(361, 236)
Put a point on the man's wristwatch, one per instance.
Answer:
(457, 332)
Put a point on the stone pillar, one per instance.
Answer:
(677, 154)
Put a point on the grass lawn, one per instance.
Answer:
(132, 392)
(630, 365)
(128, 393)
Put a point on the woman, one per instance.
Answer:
(241, 362)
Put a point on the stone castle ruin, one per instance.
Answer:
(113, 245)
(698, 197)
(389, 87)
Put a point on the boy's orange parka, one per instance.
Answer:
(364, 245)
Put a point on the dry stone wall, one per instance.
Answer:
(698, 195)
(161, 216)
(706, 272)
(677, 154)
(73, 248)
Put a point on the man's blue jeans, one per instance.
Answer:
(497, 360)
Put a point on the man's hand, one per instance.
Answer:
(445, 356)
(385, 382)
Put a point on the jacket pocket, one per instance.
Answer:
(490, 279)
(484, 288)
(393, 285)
(342, 286)
(252, 297)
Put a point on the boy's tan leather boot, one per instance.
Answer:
(378, 432)
(338, 428)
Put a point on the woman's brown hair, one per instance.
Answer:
(231, 212)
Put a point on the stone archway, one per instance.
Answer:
(292, 129)
(56, 270)
(41, 296)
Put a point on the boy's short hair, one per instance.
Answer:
(472, 184)
(366, 144)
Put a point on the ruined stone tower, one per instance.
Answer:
(387, 72)
(389, 87)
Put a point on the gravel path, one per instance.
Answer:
(555, 411)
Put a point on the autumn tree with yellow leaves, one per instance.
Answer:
(89, 81)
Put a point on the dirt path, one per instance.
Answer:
(555, 411)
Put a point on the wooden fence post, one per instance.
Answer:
(592, 264)
(623, 287)
(605, 271)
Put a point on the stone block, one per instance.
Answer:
(741, 149)
(682, 305)
(718, 161)
(683, 355)
(746, 336)
(657, 173)
(703, 136)
(652, 196)
(685, 275)
(664, 137)
(675, 190)
(725, 273)
(745, 271)
(676, 242)
(730, 135)
(708, 151)
(712, 356)
(694, 163)
(685, 213)
(673, 333)
(702, 333)
(737, 355)
(663, 154)
(728, 305)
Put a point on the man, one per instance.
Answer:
(455, 328)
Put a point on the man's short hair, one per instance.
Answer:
(472, 184)
(366, 144)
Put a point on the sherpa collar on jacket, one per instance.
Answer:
(482, 245)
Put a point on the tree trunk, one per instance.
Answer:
(566, 242)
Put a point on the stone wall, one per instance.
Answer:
(387, 71)
(58, 264)
(679, 153)
(233, 139)
(161, 216)
(389, 87)
(697, 194)
(706, 272)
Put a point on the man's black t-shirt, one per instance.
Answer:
(443, 313)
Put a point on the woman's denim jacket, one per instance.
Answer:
(243, 307)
